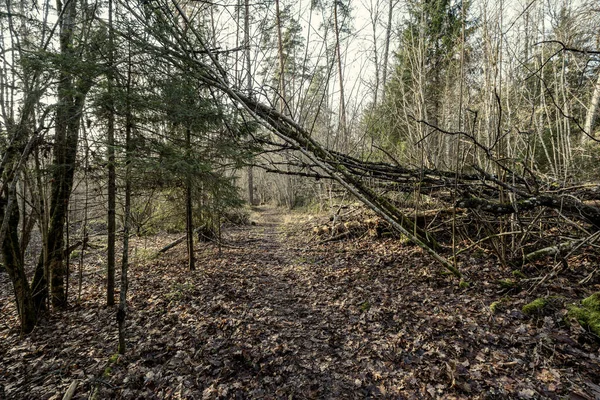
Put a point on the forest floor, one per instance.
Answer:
(279, 314)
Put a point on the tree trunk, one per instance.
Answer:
(282, 97)
(71, 98)
(16, 271)
(592, 111)
(112, 179)
(248, 87)
(386, 52)
(122, 311)
(343, 129)
(189, 220)
(39, 285)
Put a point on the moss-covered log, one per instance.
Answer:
(569, 205)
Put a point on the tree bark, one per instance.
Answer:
(15, 269)
(112, 178)
(282, 94)
(71, 98)
(590, 118)
(386, 52)
(189, 220)
(248, 87)
(122, 310)
(343, 126)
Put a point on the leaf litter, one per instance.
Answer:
(277, 316)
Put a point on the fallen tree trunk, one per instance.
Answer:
(564, 204)
(176, 242)
(288, 130)
(557, 249)
(214, 76)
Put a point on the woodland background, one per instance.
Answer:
(467, 128)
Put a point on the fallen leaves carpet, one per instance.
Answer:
(278, 316)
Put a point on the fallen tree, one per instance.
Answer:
(564, 204)
(476, 188)
(213, 75)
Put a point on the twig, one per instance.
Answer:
(71, 391)
(557, 267)
(588, 278)
(338, 237)
(483, 240)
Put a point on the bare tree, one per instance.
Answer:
(111, 168)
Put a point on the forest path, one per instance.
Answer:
(278, 315)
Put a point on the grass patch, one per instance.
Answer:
(179, 291)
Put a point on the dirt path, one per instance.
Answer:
(278, 317)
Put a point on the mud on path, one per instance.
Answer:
(280, 316)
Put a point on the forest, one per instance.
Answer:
(321, 199)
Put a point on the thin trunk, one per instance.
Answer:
(282, 96)
(343, 127)
(122, 311)
(250, 185)
(374, 16)
(386, 52)
(67, 254)
(112, 177)
(590, 118)
(85, 216)
(289, 191)
(189, 221)
(39, 285)
(31, 220)
(15, 269)
(248, 87)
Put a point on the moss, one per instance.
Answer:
(519, 274)
(509, 284)
(588, 315)
(364, 307)
(75, 254)
(114, 359)
(536, 307)
(587, 318)
(464, 284)
(403, 239)
(497, 306)
(592, 303)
